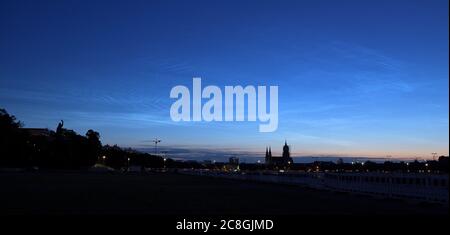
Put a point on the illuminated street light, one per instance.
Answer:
(104, 158)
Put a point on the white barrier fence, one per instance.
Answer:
(421, 187)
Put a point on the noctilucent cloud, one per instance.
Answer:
(357, 78)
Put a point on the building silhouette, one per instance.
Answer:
(284, 160)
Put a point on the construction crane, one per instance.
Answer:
(434, 154)
(156, 141)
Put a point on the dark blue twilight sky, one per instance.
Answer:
(355, 77)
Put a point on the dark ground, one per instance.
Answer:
(159, 193)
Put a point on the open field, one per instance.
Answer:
(159, 193)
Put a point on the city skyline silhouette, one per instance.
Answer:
(358, 79)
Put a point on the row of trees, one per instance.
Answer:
(117, 158)
(62, 149)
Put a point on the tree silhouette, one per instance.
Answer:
(14, 147)
(94, 147)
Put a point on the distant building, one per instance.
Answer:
(37, 131)
(233, 161)
(232, 165)
(284, 160)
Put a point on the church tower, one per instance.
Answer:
(268, 155)
(284, 161)
(286, 152)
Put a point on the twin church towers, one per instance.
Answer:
(284, 160)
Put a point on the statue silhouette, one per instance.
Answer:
(60, 126)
